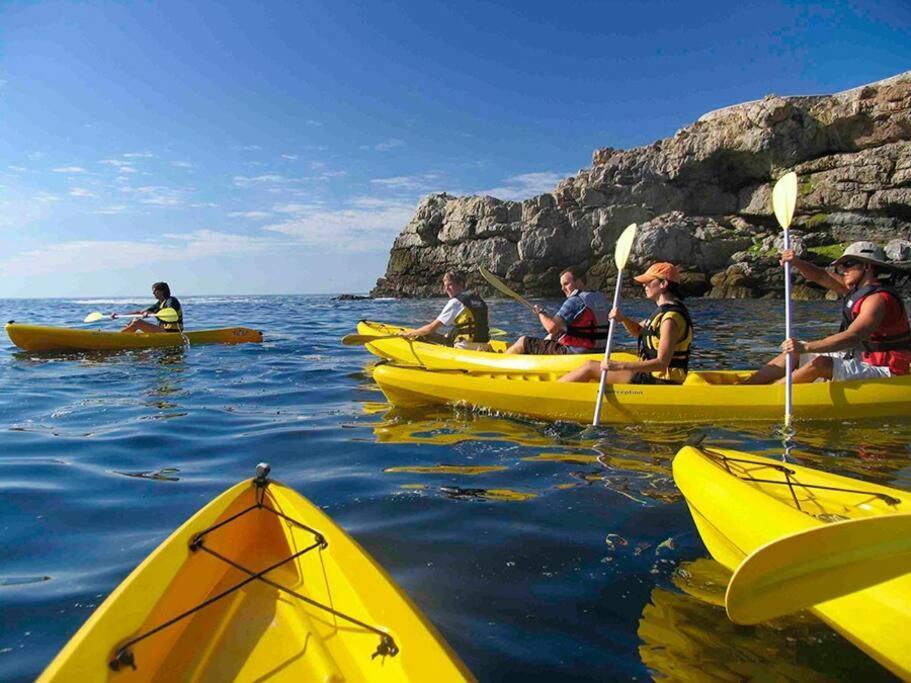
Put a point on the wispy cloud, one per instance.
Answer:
(81, 192)
(182, 164)
(112, 210)
(247, 181)
(367, 223)
(385, 145)
(526, 185)
(157, 195)
(250, 214)
(139, 155)
(69, 169)
(414, 182)
(121, 166)
(313, 122)
(291, 157)
(246, 148)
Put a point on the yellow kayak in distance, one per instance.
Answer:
(440, 357)
(705, 396)
(740, 502)
(47, 338)
(258, 585)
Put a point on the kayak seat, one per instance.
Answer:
(717, 377)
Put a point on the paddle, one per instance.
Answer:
(168, 315)
(500, 286)
(784, 199)
(804, 569)
(621, 253)
(360, 339)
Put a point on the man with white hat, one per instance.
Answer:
(874, 339)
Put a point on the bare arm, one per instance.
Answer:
(554, 325)
(429, 328)
(633, 327)
(814, 273)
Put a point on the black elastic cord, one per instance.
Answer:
(124, 656)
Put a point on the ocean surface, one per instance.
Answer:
(541, 551)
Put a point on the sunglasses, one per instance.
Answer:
(845, 266)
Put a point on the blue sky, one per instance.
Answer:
(280, 147)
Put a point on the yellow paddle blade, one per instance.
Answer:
(501, 287)
(497, 332)
(168, 315)
(94, 316)
(810, 567)
(361, 339)
(784, 199)
(624, 246)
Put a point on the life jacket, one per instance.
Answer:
(890, 344)
(650, 339)
(589, 329)
(170, 302)
(471, 324)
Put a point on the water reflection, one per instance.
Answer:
(685, 636)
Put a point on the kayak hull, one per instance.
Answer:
(704, 397)
(439, 357)
(46, 338)
(734, 517)
(257, 632)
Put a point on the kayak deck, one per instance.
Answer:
(258, 585)
(47, 338)
(740, 502)
(705, 396)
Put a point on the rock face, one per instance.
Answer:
(702, 199)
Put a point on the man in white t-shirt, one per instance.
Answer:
(465, 313)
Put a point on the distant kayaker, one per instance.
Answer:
(580, 326)
(465, 313)
(665, 338)
(874, 339)
(162, 293)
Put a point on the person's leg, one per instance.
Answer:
(518, 346)
(142, 326)
(818, 368)
(590, 371)
(770, 372)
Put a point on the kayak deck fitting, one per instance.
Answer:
(740, 502)
(259, 584)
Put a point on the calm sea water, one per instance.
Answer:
(539, 551)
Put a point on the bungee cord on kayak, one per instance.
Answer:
(124, 656)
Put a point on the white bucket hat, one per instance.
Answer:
(869, 252)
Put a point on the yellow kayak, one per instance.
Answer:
(258, 585)
(439, 357)
(45, 338)
(740, 502)
(704, 397)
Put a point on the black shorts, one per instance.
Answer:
(648, 378)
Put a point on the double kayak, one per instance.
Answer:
(741, 502)
(257, 585)
(440, 357)
(710, 396)
(45, 338)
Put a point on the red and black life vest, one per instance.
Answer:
(890, 344)
(589, 329)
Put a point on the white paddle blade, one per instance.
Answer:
(94, 316)
(624, 246)
(784, 199)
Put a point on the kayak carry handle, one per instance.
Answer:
(262, 472)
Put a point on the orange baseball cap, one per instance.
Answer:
(659, 271)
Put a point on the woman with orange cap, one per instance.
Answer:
(665, 337)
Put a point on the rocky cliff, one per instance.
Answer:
(701, 197)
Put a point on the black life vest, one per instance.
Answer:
(891, 335)
(650, 336)
(471, 324)
(170, 302)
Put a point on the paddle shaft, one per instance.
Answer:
(607, 348)
(789, 360)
